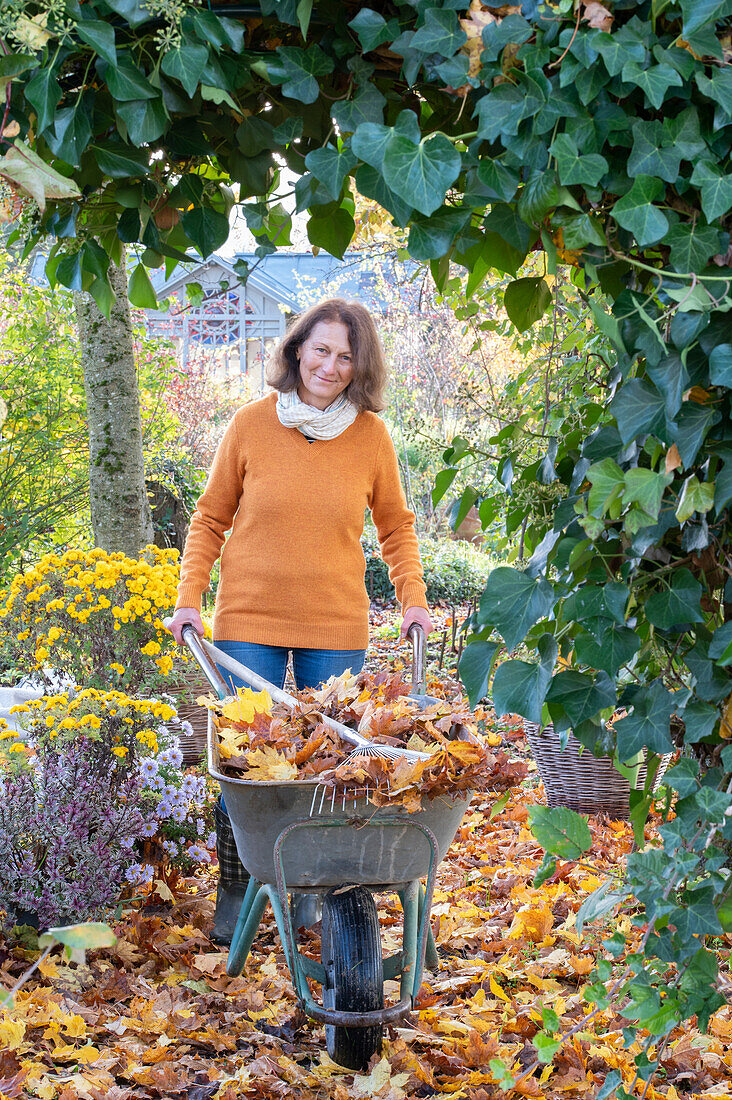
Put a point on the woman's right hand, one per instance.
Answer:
(182, 617)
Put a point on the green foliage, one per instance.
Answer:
(454, 572)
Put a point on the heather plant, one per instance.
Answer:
(93, 799)
(66, 832)
(95, 618)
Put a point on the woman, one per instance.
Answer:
(291, 481)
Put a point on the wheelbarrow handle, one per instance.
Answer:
(195, 644)
(418, 638)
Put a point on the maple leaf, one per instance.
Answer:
(267, 765)
(246, 704)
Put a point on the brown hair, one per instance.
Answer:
(366, 388)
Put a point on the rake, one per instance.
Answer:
(208, 656)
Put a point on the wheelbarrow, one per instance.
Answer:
(296, 836)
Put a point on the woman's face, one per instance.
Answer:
(326, 364)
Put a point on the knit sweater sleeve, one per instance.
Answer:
(212, 518)
(395, 528)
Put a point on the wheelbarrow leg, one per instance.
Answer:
(250, 914)
(431, 958)
(411, 964)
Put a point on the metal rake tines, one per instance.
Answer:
(347, 795)
(385, 752)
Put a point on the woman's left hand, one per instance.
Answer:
(419, 615)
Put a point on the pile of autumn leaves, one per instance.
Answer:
(267, 742)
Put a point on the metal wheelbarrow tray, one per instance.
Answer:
(298, 836)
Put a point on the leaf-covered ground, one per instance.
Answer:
(156, 1016)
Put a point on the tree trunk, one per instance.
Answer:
(120, 512)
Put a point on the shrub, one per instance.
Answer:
(92, 797)
(96, 617)
(454, 572)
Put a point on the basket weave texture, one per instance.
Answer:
(574, 778)
(186, 690)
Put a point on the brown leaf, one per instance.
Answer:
(598, 16)
(673, 458)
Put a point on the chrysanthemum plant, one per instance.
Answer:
(94, 618)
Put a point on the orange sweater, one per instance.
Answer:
(292, 568)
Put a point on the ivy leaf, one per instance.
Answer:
(499, 181)
(12, 65)
(512, 602)
(638, 409)
(546, 1047)
(560, 831)
(475, 668)
(576, 697)
(574, 168)
(100, 36)
(141, 290)
(370, 140)
(500, 111)
(653, 154)
(43, 93)
(698, 13)
(125, 81)
(678, 605)
(421, 173)
(440, 34)
(430, 238)
(720, 366)
(619, 48)
(370, 183)
(720, 647)
(296, 69)
(691, 429)
(145, 119)
(208, 229)
(671, 378)
(134, 11)
(655, 80)
(331, 166)
(691, 245)
(699, 720)
(70, 134)
(649, 724)
(646, 488)
(372, 29)
(614, 647)
(526, 300)
(636, 212)
(539, 194)
(723, 483)
(608, 481)
(716, 189)
(332, 231)
(695, 497)
(119, 161)
(519, 687)
(366, 106)
(186, 65)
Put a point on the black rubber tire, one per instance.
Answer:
(351, 954)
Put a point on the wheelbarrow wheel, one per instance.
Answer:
(351, 955)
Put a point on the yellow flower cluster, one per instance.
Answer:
(52, 603)
(86, 710)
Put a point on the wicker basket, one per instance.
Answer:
(186, 690)
(574, 778)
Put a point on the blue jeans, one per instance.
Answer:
(311, 666)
